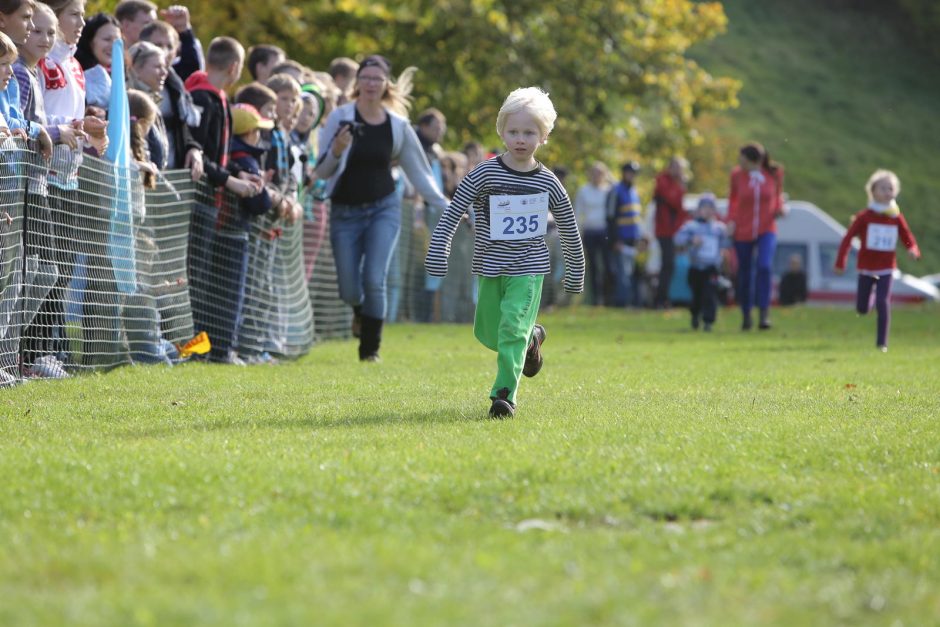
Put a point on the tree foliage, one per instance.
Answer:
(617, 70)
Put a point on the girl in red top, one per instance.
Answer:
(755, 201)
(879, 227)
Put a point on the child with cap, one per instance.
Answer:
(704, 237)
(879, 227)
(510, 198)
(229, 254)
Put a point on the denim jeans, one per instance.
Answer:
(363, 239)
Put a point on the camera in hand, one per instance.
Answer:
(356, 129)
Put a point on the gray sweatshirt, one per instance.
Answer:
(406, 149)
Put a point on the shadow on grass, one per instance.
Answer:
(312, 423)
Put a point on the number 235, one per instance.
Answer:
(520, 225)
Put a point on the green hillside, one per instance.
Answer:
(833, 93)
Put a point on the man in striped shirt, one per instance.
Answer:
(510, 197)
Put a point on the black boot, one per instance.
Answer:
(764, 323)
(370, 339)
(356, 327)
(746, 323)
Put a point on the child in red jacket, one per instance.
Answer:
(878, 227)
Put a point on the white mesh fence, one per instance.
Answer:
(96, 272)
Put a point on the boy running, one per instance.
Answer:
(510, 197)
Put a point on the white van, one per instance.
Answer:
(814, 235)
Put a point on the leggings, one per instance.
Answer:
(882, 301)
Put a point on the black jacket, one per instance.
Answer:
(215, 127)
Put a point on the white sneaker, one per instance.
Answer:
(6, 379)
(47, 367)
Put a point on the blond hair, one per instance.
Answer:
(531, 100)
(8, 49)
(879, 175)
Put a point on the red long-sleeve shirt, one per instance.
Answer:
(670, 214)
(754, 206)
(879, 233)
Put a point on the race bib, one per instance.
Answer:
(882, 237)
(518, 217)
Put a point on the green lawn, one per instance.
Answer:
(651, 476)
(833, 91)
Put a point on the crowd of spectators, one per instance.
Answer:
(261, 140)
(281, 142)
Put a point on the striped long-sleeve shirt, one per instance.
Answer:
(516, 257)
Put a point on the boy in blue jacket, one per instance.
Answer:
(229, 255)
(704, 237)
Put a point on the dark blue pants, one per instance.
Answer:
(766, 245)
(227, 267)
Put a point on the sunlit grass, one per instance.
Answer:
(651, 476)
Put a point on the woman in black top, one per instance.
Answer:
(362, 139)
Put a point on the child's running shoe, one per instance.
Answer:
(501, 407)
(47, 367)
(533, 356)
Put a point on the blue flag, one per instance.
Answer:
(121, 230)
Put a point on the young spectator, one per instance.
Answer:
(311, 192)
(40, 272)
(176, 104)
(879, 227)
(454, 168)
(264, 332)
(148, 72)
(475, 154)
(282, 157)
(16, 23)
(45, 338)
(755, 201)
(223, 67)
(262, 59)
(430, 129)
(624, 224)
(94, 53)
(670, 215)
(229, 257)
(141, 313)
(793, 288)
(343, 72)
(132, 16)
(704, 237)
(62, 84)
(590, 209)
(290, 67)
(511, 198)
(330, 93)
(189, 48)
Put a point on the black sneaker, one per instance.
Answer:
(746, 323)
(501, 407)
(695, 323)
(533, 356)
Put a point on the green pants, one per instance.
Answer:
(505, 315)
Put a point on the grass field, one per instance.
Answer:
(651, 476)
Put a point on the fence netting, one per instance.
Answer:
(97, 272)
